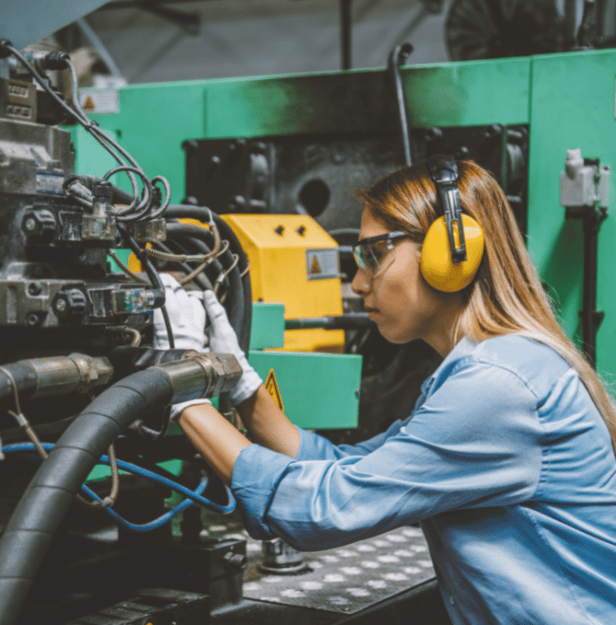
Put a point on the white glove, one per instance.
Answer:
(186, 315)
(223, 340)
(187, 318)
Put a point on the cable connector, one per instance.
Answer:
(22, 422)
(56, 60)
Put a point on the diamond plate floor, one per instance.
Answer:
(346, 579)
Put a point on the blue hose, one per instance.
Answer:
(191, 496)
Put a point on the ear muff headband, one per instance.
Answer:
(450, 255)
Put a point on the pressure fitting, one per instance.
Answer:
(202, 375)
(76, 373)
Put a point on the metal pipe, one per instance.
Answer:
(55, 375)
(348, 321)
(346, 26)
(396, 59)
(591, 318)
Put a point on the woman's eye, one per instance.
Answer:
(377, 253)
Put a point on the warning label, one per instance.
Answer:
(99, 101)
(322, 264)
(271, 386)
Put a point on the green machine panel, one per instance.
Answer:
(319, 391)
(572, 106)
(566, 99)
(154, 120)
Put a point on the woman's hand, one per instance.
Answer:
(223, 340)
(187, 317)
(186, 314)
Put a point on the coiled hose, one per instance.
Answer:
(52, 490)
(179, 211)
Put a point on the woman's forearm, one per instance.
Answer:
(220, 443)
(267, 425)
(214, 438)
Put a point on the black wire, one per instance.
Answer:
(159, 289)
(90, 126)
(163, 309)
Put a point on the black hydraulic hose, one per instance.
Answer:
(52, 490)
(204, 214)
(396, 58)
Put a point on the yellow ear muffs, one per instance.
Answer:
(436, 265)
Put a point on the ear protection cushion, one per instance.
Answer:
(436, 265)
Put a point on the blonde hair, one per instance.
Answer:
(506, 296)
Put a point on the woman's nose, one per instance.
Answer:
(360, 283)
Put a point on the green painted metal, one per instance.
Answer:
(568, 100)
(267, 329)
(457, 94)
(319, 391)
(572, 106)
(154, 120)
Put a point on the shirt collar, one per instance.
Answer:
(464, 347)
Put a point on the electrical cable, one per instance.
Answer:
(24, 424)
(241, 326)
(126, 270)
(138, 209)
(159, 289)
(97, 502)
(146, 473)
(202, 281)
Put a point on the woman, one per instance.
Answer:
(507, 461)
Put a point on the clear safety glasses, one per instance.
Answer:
(374, 254)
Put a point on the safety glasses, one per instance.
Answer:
(373, 254)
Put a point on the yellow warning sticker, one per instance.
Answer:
(271, 386)
(322, 263)
(88, 105)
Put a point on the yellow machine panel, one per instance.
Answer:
(294, 261)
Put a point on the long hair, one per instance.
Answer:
(506, 296)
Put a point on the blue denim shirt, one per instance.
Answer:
(505, 463)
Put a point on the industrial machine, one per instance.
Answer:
(246, 196)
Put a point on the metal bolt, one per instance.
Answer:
(32, 319)
(191, 144)
(34, 288)
(30, 224)
(60, 305)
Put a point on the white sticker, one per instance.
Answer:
(322, 264)
(99, 101)
(49, 182)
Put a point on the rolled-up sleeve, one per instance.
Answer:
(474, 442)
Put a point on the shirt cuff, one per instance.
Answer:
(255, 476)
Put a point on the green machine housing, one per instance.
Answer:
(556, 102)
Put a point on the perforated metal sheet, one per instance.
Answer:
(347, 579)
